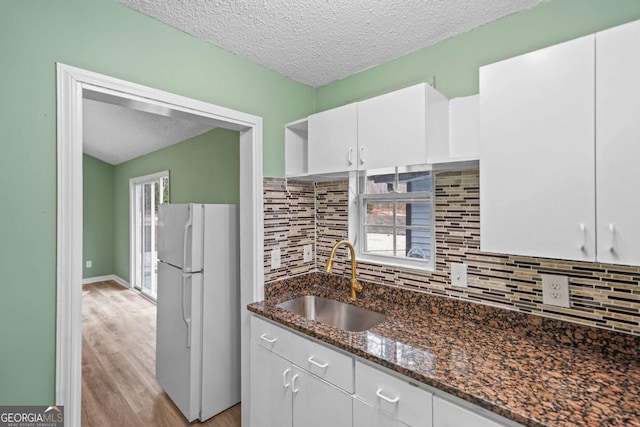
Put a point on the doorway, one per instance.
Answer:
(71, 82)
(146, 194)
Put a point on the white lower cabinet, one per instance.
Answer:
(299, 382)
(271, 403)
(448, 414)
(284, 394)
(366, 415)
(393, 396)
(316, 403)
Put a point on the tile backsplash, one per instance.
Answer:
(602, 295)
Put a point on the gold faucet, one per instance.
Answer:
(356, 287)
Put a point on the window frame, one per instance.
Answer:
(357, 216)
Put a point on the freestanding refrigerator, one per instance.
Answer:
(198, 328)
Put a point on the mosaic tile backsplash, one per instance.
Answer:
(602, 295)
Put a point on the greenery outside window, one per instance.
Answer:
(395, 211)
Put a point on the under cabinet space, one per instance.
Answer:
(393, 396)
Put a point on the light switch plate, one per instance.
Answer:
(307, 251)
(89, 264)
(275, 258)
(459, 274)
(555, 290)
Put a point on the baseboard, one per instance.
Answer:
(120, 281)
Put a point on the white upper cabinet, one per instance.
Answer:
(398, 128)
(333, 140)
(464, 128)
(618, 143)
(537, 157)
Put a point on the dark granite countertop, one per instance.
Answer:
(535, 371)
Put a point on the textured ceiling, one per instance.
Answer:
(319, 41)
(117, 133)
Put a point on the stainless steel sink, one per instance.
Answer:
(335, 313)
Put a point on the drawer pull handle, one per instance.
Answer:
(388, 399)
(293, 384)
(269, 340)
(284, 378)
(319, 365)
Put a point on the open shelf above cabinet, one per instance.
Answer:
(296, 140)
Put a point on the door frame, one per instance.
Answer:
(71, 82)
(133, 235)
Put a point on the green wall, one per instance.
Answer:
(454, 62)
(105, 37)
(203, 169)
(97, 217)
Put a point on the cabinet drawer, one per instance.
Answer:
(328, 364)
(393, 396)
(272, 337)
(448, 414)
(366, 415)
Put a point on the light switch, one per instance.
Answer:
(275, 258)
(307, 253)
(459, 275)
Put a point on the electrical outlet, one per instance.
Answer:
(89, 264)
(555, 290)
(275, 258)
(459, 274)
(307, 253)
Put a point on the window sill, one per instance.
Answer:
(417, 266)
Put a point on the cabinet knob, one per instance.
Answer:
(362, 155)
(350, 156)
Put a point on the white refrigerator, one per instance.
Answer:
(198, 329)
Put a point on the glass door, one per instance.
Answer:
(148, 193)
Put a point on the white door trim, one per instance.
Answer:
(71, 82)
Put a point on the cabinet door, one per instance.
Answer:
(464, 128)
(317, 403)
(365, 415)
(333, 140)
(618, 144)
(270, 389)
(392, 129)
(537, 148)
(447, 414)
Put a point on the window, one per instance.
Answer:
(395, 212)
(146, 194)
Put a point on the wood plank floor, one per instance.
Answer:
(118, 364)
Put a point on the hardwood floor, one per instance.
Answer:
(118, 364)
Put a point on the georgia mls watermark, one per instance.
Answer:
(31, 416)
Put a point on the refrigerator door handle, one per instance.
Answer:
(187, 319)
(187, 226)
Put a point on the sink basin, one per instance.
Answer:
(335, 313)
